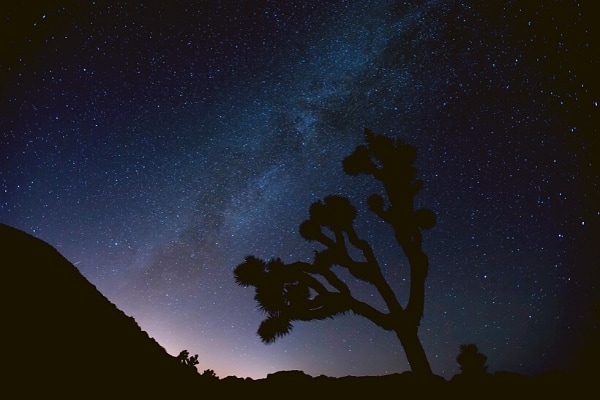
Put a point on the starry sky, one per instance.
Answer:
(155, 144)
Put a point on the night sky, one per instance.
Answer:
(156, 144)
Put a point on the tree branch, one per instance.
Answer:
(382, 286)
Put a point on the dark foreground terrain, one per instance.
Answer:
(63, 338)
(295, 384)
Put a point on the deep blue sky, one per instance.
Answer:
(156, 144)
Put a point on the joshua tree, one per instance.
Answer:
(303, 291)
(471, 361)
(184, 358)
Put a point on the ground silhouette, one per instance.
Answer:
(302, 291)
(63, 337)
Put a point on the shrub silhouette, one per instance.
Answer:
(471, 361)
(303, 291)
(210, 374)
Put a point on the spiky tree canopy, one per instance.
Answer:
(304, 291)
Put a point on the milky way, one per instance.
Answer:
(157, 145)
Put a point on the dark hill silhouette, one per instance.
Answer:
(62, 336)
(64, 339)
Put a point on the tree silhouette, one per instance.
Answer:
(471, 361)
(184, 358)
(302, 291)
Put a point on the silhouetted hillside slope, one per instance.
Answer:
(64, 339)
(63, 336)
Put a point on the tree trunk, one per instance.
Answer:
(414, 350)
